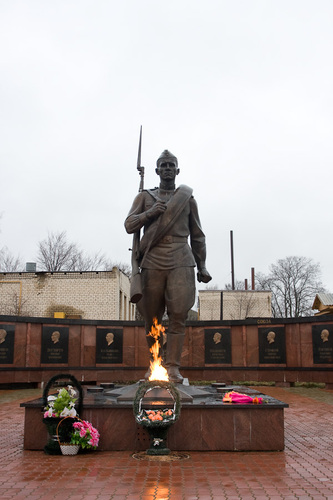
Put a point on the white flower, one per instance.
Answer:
(51, 398)
(65, 412)
(71, 404)
(49, 412)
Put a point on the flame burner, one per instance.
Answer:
(157, 370)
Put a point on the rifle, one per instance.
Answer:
(136, 287)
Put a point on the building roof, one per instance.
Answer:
(323, 300)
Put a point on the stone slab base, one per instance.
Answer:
(201, 427)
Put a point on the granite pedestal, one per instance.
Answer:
(205, 422)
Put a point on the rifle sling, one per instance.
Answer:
(174, 208)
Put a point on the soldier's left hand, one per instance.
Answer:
(203, 276)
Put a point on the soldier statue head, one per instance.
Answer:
(166, 158)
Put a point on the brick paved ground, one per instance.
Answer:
(303, 470)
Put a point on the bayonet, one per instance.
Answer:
(138, 165)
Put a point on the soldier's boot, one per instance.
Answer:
(174, 349)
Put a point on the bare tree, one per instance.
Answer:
(245, 305)
(122, 266)
(246, 302)
(83, 262)
(13, 305)
(239, 285)
(8, 262)
(55, 253)
(294, 282)
(212, 287)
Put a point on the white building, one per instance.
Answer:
(101, 295)
(234, 304)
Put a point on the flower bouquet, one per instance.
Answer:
(58, 407)
(83, 434)
(237, 397)
(62, 405)
(157, 415)
(65, 402)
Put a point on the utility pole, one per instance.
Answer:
(232, 261)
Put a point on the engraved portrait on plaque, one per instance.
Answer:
(7, 335)
(217, 346)
(54, 345)
(109, 345)
(272, 345)
(322, 344)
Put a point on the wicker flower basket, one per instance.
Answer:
(138, 400)
(157, 429)
(67, 448)
(52, 446)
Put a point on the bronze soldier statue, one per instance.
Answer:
(169, 217)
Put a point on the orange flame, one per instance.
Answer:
(158, 372)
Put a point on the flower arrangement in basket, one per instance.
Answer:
(160, 417)
(165, 415)
(61, 417)
(68, 401)
(157, 422)
(83, 435)
(62, 405)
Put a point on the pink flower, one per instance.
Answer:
(87, 433)
(49, 413)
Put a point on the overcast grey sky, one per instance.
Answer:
(240, 92)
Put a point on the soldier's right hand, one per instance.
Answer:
(156, 210)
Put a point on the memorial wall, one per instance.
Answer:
(283, 351)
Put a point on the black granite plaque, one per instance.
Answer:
(7, 337)
(322, 343)
(217, 346)
(272, 345)
(54, 345)
(109, 345)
